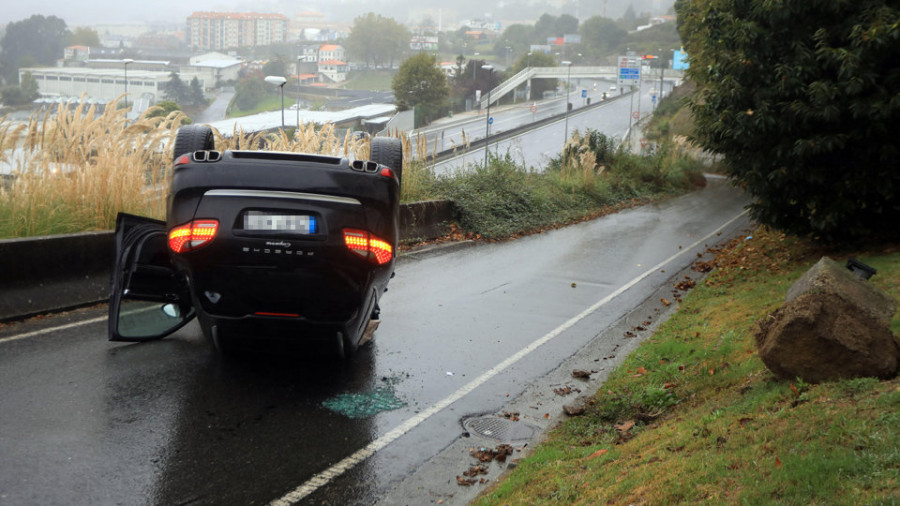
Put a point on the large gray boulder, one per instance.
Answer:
(834, 325)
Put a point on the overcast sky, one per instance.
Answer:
(93, 12)
(174, 12)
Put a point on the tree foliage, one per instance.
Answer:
(377, 39)
(83, 36)
(600, 36)
(175, 89)
(249, 91)
(275, 67)
(420, 83)
(37, 40)
(24, 93)
(802, 99)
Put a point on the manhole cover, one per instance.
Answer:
(501, 429)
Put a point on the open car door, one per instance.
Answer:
(149, 299)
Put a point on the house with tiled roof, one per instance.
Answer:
(333, 62)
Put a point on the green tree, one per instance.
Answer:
(420, 83)
(24, 93)
(275, 67)
(518, 38)
(249, 91)
(29, 87)
(377, 39)
(176, 90)
(802, 100)
(195, 93)
(37, 40)
(600, 36)
(83, 36)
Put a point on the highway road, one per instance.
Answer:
(466, 332)
(536, 147)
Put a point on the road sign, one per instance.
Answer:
(629, 70)
(491, 120)
(583, 93)
(635, 115)
(533, 107)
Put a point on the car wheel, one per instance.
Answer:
(192, 138)
(388, 152)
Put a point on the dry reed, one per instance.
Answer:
(73, 168)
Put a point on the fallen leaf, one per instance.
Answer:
(625, 426)
(712, 371)
(794, 389)
(598, 453)
(665, 302)
(777, 462)
(546, 415)
(641, 370)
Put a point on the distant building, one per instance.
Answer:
(331, 52)
(332, 64)
(224, 30)
(211, 69)
(423, 43)
(77, 53)
(97, 84)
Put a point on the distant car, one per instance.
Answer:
(613, 89)
(261, 247)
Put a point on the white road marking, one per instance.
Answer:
(52, 329)
(325, 477)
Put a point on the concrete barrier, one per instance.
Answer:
(53, 273)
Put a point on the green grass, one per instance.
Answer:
(268, 103)
(505, 199)
(713, 425)
(370, 80)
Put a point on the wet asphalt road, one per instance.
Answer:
(85, 421)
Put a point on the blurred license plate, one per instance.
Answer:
(298, 224)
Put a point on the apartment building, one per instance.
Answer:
(226, 30)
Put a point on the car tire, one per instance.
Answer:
(388, 151)
(192, 138)
(341, 350)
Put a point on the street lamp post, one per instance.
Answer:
(126, 61)
(487, 119)
(279, 81)
(568, 78)
(299, 59)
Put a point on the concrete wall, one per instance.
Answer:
(44, 274)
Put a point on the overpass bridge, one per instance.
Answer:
(559, 73)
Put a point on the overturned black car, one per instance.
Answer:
(261, 246)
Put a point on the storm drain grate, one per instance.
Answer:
(501, 429)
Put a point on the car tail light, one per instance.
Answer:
(183, 159)
(193, 235)
(368, 246)
(386, 172)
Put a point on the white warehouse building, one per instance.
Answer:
(102, 85)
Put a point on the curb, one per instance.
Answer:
(54, 273)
